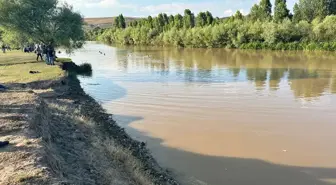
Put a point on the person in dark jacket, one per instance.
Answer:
(38, 51)
(3, 143)
(44, 53)
(51, 54)
(3, 48)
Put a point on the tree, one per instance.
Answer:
(216, 20)
(201, 19)
(171, 19)
(150, 22)
(331, 7)
(262, 11)
(311, 9)
(265, 8)
(209, 18)
(116, 22)
(178, 21)
(14, 39)
(48, 22)
(297, 17)
(166, 19)
(326, 7)
(189, 19)
(120, 22)
(134, 23)
(254, 13)
(159, 22)
(280, 10)
(326, 30)
(307, 9)
(238, 16)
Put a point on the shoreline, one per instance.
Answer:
(279, 47)
(108, 126)
(68, 138)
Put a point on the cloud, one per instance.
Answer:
(92, 3)
(228, 12)
(175, 8)
(220, 8)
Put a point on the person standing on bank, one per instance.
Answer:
(44, 54)
(51, 54)
(3, 48)
(39, 53)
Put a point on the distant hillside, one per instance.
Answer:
(105, 22)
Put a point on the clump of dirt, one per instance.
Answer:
(83, 69)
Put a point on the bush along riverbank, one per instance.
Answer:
(59, 135)
(311, 27)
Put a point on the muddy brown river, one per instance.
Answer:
(218, 116)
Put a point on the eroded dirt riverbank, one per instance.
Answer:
(60, 135)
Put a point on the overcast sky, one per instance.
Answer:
(141, 8)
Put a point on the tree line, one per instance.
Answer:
(311, 26)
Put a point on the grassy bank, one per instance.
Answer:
(60, 135)
(15, 67)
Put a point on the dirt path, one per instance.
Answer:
(18, 160)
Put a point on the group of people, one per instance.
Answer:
(46, 53)
(28, 49)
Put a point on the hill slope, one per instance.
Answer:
(105, 22)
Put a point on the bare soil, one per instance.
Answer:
(60, 135)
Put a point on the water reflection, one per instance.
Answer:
(275, 77)
(309, 74)
(223, 116)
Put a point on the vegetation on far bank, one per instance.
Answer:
(311, 26)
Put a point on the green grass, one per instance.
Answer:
(16, 57)
(16, 65)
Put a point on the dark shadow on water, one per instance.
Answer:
(225, 170)
(103, 90)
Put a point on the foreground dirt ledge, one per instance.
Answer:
(60, 135)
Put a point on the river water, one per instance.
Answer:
(217, 116)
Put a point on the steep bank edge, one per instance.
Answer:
(134, 155)
(60, 135)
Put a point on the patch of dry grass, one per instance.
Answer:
(20, 73)
(16, 57)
